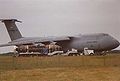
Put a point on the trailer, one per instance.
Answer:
(36, 50)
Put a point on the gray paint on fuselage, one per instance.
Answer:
(97, 42)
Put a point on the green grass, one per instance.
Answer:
(60, 68)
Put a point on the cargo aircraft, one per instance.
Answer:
(98, 42)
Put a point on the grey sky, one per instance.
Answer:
(61, 17)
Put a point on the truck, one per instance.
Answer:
(88, 51)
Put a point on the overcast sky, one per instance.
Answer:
(61, 17)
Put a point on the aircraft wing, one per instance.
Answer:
(8, 44)
(28, 41)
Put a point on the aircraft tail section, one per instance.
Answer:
(12, 29)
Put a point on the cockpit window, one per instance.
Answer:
(105, 34)
(91, 41)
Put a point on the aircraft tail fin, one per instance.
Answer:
(12, 29)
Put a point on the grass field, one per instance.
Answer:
(60, 68)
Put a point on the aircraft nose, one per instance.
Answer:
(110, 42)
(117, 43)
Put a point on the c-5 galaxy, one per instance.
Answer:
(98, 42)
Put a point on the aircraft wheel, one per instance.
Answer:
(91, 54)
(70, 54)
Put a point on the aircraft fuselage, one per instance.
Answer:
(96, 42)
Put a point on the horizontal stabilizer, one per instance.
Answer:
(13, 20)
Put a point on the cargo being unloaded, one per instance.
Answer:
(36, 50)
